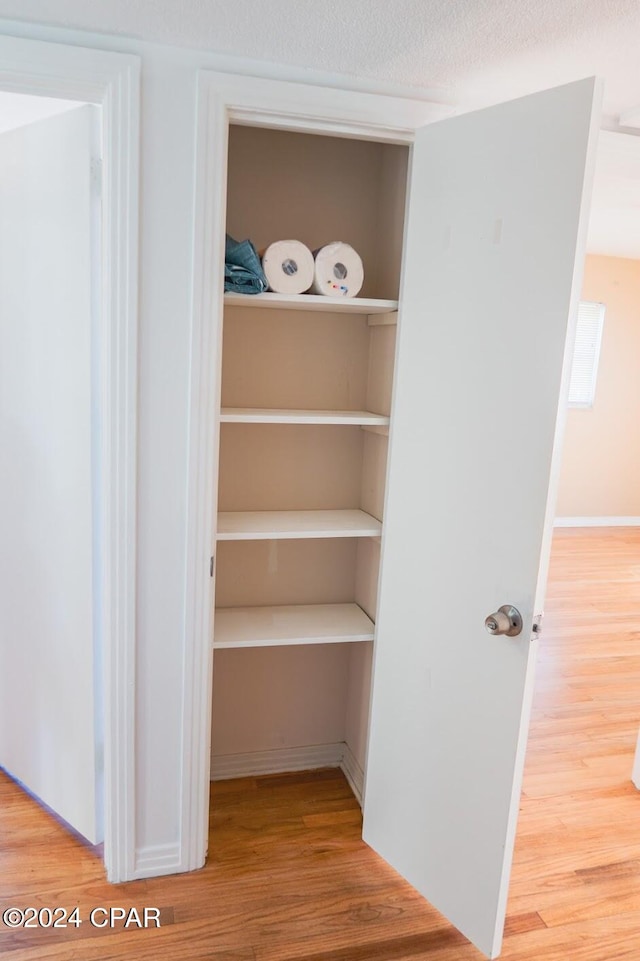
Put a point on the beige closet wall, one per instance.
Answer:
(317, 190)
(600, 474)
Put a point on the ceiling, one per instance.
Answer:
(476, 50)
(468, 52)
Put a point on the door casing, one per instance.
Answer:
(112, 81)
(223, 99)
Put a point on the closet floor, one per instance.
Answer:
(288, 878)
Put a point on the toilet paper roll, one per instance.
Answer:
(338, 271)
(288, 266)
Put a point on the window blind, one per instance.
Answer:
(584, 368)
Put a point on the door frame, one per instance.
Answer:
(111, 81)
(222, 99)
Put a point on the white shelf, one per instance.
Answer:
(300, 624)
(257, 415)
(277, 525)
(333, 305)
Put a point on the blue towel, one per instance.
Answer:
(243, 272)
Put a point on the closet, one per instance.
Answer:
(306, 386)
(358, 546)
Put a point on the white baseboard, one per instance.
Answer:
(353, 773)
(156, 860)
(597, 522)
(278, 761)
(282, 760)
(162, 859)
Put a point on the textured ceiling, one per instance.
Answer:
(481, 50)
(473, 52)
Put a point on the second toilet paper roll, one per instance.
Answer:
(288, 266)
(338, 271)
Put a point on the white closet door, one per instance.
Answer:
(49, 736)
(495, 231)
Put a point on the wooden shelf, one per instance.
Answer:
(280, 525)
(257, 415)
(333, 305)
(300, 624)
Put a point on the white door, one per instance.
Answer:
(50, 736)
(495, 230)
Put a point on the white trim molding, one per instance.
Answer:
(284, 760)
(111, 80)
(597, 522)
(225, 98)
(353, 773)
(279, 761)
(156, 860)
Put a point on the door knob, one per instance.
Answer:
(506, 620)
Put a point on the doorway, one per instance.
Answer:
(576, 835)
(405, 670)
(109, 81)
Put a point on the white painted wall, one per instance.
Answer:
(18, 110)
(613, 223)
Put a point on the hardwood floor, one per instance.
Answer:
(290, 880)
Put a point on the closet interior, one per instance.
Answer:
(306, 384)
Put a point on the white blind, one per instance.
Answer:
(586, 353)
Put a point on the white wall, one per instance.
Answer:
(18, 110)
(169, 83)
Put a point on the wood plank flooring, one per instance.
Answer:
(290, 880)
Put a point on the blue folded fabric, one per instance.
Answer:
(243, 272)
